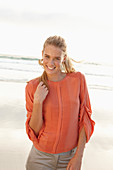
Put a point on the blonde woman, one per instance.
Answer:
(58, 112)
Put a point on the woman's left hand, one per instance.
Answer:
(74, 163)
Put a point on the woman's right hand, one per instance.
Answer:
(40, 93)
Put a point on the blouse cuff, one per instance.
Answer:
(86, 122)
(31, 134)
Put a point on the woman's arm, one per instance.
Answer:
(76, 162)
(36, 120)
(81, 143)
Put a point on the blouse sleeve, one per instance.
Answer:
(29, 108)
(85, 110)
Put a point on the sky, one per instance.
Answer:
(96, 9)
(87, 27)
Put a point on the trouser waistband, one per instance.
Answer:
(68, 152)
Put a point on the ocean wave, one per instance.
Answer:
(99, 75)
(38, 70)
(36, 58)
(18, 57)
(17, 69)
(99, 64)
(14, 80)
(98, 87)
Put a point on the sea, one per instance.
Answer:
(20, 69)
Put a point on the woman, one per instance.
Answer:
(58, 112)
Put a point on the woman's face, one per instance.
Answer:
(52, 60)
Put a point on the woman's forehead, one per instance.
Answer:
(53, 51)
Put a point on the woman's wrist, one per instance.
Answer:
(79, 154)
(37, 102)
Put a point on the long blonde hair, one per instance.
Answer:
(67, 65)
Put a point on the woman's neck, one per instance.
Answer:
(58, 77)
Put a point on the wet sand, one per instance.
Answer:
(15, 145)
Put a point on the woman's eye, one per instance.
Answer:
(47, 56)
(57, 58)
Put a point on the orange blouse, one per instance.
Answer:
(66, 110)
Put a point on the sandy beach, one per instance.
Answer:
(15, 145)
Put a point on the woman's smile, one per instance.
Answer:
(50, 68)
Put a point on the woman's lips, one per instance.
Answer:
(50, 68)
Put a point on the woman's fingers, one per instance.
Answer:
(40, 84)
(41, 92)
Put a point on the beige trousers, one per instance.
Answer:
(38, 160)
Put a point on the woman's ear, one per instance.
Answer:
(64, 58)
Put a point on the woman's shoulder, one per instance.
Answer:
(33, 82)
(76, 74)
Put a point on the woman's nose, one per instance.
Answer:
(51, 62)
